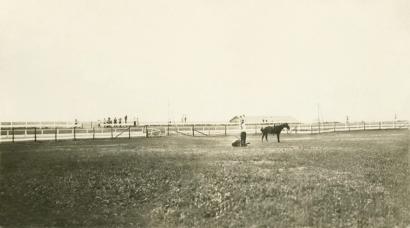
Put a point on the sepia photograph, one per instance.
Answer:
(205, 113)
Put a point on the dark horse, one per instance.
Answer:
(276, 129)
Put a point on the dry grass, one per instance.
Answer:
(358, 179)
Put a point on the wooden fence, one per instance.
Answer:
(18, 133)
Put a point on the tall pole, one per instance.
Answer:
(318, 117)
(395, 119)
(347, 122)
(168, 113)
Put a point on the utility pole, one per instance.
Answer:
(395, 119)
(318, 116)
(347, 122)
(168, 112)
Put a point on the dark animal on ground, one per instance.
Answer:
(237, 143)
(276, 129)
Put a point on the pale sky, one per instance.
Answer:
(209, 59)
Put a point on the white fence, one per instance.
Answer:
(40, 125)
(69, 131)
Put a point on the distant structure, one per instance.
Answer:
(265, 119)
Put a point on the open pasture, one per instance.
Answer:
(343, 179)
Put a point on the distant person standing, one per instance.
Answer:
(108, 122)
(125, 119)
(243, 131)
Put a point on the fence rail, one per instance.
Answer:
(67, 132)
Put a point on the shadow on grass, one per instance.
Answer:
(67, 185)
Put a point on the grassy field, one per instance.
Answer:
(358, 179)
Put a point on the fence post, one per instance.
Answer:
(12, 134)
(334, 127)
(129, 132)
(74, 133)
(380, 125)
(168, 129)
(146, 131)
(225, 129)
(311, 129)
(93, 133)
(364, 126)
(55, 134)
(112, 136)
(319, 126)
(193, 130)
(35, 134)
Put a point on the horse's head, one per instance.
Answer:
(286, 125)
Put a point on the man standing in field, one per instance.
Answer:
(243, 131)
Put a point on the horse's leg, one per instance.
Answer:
(262, 136)
(277, 135)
